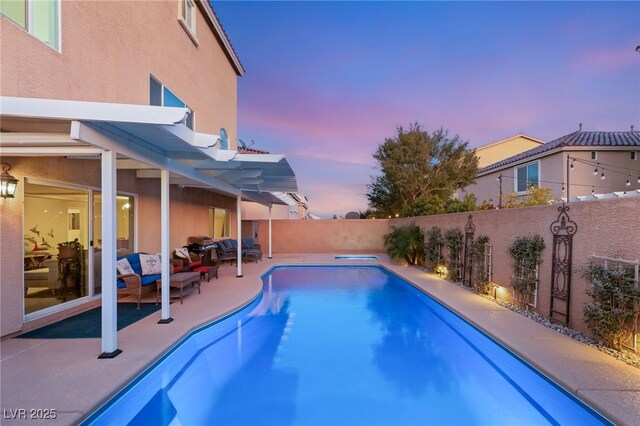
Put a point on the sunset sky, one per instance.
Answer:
(327, 82)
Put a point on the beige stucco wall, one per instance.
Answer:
(325, 236)
(608, 228)
(108, 51)
(499, 151)
(188, 214)
(553, 172)
(255, 211)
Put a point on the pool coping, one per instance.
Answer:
(576, 367)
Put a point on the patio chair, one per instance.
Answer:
(189, 260)
(251, 250)
(227, 250)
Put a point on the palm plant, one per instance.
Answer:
(405, 243)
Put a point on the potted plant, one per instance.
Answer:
(69, 249)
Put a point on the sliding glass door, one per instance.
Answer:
(63, 247)
(56, 241)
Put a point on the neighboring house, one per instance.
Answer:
(505, 148)
(575, 164)
(119, 121)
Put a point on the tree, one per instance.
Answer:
(416, 166)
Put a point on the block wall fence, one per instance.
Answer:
(606, 228)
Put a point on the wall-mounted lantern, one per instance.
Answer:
(8, 183)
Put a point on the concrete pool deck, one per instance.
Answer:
(65, 374)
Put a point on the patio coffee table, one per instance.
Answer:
(180, 285)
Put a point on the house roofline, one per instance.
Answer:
(221, 35)
(555, 151)
(522, 135)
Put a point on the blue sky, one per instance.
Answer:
(327, 82)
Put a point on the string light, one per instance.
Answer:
(571, 166)
(563, 189)
(628, 182)
(593, 191)
(602, 177)
(595, 171)
(638, 179)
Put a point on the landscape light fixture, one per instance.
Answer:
(8, 183)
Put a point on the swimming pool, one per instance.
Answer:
(342, 345)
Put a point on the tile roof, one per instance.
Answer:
(575, 139)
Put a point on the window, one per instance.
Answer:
(218, 223)
(527, 175)
(634, 155)
(38, 17)
(187, 13)
(187, 19)
(594, 155)
(159, 95)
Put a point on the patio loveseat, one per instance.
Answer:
(136, 279)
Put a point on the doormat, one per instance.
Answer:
(89, 324)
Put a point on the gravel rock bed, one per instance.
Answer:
(628, 357)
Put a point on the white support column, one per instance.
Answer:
(165, 316)
(270, 230)
(109, 284)
(239, 232)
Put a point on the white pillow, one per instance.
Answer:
(151, 264)
(124, 267)
(183, 252)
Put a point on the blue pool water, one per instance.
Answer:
(342, 346)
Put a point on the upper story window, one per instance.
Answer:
(39, 17)
(634, 155)
(159, 95)
(594, 155)
(527, 175)
(187, 18)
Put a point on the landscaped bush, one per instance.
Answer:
(526, 255)
(480, 273)
(453, 240)
(616, 303)
(405, 243)
(433, 248)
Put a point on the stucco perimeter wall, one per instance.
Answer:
(324, 236)
(188, 215)
(610, 228)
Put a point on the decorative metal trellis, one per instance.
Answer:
(563, 229)
(467, 266)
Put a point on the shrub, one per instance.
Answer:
(480, 274)
(615, 303)
(453, 239)
(433, 248)
(526, 253)
(406, 243)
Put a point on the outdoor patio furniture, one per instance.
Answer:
(251, 250)
(189, 260)
(227, 250)
(207, 271)
(136, 283)
(180, 285)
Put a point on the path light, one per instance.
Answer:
(8, 183)
(442, 271)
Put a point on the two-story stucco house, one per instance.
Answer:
(577, 164)
(119, 123)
